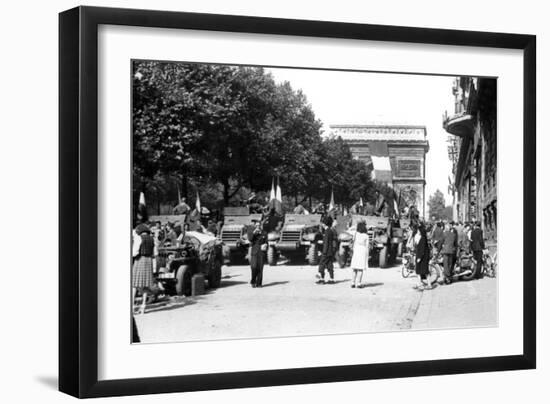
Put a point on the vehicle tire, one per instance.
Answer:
(271, 256)
(342, 257)
(215, 275)
(383, 257)
(472, 275)
(183, 280)
(312, 257)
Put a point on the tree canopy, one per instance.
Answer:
(436, 207)
(228, 130)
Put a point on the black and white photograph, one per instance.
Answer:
(285, 202)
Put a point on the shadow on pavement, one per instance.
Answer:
(372, 284)
(274, 284)
(231, 283)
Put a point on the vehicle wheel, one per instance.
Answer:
(183, 280)
(215, 275)
(342, 258)
(473, 274)
(312, 257)
(383, 256)
(271, 256)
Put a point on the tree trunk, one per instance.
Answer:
(225, 183)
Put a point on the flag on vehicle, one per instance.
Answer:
(361, 201)
(331, 204)
(198, 203)
(272, 194)
(142, 208)
(278, 194)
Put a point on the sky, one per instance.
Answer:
(338, 97)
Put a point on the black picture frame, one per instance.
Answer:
(78, 207)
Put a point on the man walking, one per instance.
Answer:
(477, 245)
(329, 250)
(450, 243)
(258, 247)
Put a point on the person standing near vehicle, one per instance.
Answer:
(437, 236)
(258, 246)
(422, 258)
(477, 245)
(329, 250)
(360, 257)
(448, 249)
(142, 270)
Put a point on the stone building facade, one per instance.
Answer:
(473, 151)
(407, 147)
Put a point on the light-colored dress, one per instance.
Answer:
(360, 258)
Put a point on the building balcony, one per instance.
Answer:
(461, 124)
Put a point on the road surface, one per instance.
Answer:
(291, 304)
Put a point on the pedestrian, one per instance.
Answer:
(437, 236)
(449, 250)
(422, 258)
(477, 245)
(360, 257)
(258, 247)
(329, 250)
(142, 271)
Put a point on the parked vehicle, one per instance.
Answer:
(197, 253)
(234, 229)
(464, 268)
(301, 235)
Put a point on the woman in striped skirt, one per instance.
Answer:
(142, 271)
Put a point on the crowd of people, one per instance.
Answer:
(449, 239)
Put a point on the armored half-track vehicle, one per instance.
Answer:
(301, 235)
(233, 233)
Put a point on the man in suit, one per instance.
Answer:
(477, 245)
(258, 246)
(437, 236)
(328, 253)
(448, 249)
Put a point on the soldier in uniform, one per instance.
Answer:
(258, 247)
(181, 208)
(380, 204)
(329, 251)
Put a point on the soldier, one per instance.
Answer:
(329, 250)
(258, 246)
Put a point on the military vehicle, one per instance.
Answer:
(385, 238)
(233, 233)
(198, 253)
(300, 236)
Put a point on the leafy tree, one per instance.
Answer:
(436, 206)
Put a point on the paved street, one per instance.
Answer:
(290, 303)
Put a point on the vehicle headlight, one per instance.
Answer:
(273, 236)
(344, 237)
(309, 236)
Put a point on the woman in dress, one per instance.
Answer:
(422, 258)
(360, 257)
(142, 271)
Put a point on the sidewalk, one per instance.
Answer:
(462, 304)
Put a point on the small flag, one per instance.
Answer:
(198, 203)
(331, 205)
(361, 201)
(272, 194)
(278, 194)
(142, 198)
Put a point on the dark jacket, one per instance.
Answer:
(256, 240)
(477, 244)
(423, 254)
(329, 242)
(450, 242)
